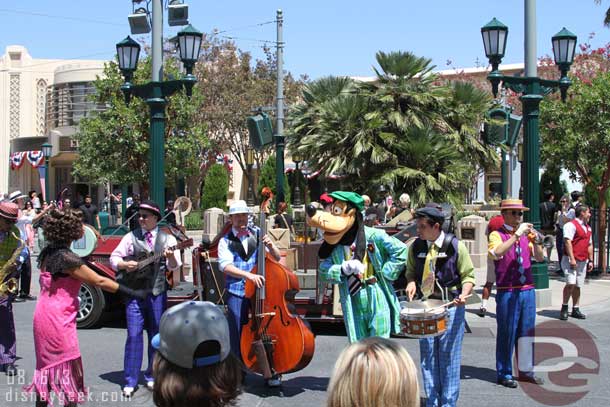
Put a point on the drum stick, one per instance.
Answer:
(446, 304)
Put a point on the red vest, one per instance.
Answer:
(580, 243)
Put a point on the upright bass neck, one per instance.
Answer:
(261, 253)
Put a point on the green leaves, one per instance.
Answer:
(403, 130)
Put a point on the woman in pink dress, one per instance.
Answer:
(58, 360)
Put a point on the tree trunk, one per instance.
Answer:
(602, 224)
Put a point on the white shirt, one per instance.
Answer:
(569, 230)
(125, 248)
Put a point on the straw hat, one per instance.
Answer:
(512, 203)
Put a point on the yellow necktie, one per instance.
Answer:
(427, 285)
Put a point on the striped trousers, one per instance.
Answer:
(141, 314)
(441, 358)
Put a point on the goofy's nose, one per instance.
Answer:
(311, 210)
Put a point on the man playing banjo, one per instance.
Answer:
(144, 313)
(442, 268)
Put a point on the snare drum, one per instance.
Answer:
(421, 319)
(86, 245)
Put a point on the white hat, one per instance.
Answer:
(185, 326)
(238, 207)
(16, 195)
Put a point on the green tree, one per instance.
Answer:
(373, 132)
(216, 187)
(606, 15)
(114, 144)
(576, 136)
(232, 84)
(268, 178)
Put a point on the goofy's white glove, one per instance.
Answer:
(349, 267)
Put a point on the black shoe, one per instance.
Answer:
(18, 299)
(27, 297)
(577, 314)
(10, 369)
(532, 379)
(482, 312)
(275, 381)
(510, 383)
(563, 315)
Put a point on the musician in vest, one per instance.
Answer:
(441, 266)
(512, 247)
(364, 262)
(578, 259)
(142, 242)
(237, 255)
(12, 255)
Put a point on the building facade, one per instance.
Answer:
(43, 101)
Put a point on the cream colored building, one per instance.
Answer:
(42, 100)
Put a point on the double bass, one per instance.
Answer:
(275, 340)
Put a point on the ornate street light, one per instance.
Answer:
(47, 150)
(156, 92)
(532, 90)
(249, 164)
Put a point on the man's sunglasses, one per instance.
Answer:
(517, 213)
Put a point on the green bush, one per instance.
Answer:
(215, 188)
(194, 220)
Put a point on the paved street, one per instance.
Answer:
(102, 351)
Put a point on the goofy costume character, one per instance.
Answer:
(364, 262)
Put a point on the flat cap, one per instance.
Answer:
(352, 197)
(430, 212)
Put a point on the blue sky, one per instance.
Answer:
(337, 37)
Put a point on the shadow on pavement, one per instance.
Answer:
(477, 372)
(255, 384)
(114, 377)
(549, 313)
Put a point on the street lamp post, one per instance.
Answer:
(532, 90)
(47, 150)
(156, 92)
(249, 164)
(296, 198)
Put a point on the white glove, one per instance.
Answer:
(523, 228)
(349, 267)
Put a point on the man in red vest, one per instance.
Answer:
(578, 259)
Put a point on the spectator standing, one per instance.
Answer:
(565, 214)
(132, 211)
(35, 201)
(90, 213)
(578, 259)
(548, 213)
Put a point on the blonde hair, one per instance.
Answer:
(374, 372)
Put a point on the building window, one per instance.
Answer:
(68, 103)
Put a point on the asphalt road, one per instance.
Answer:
(102, 352)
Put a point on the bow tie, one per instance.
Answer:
(243, 233)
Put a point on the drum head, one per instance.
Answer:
(84, 246)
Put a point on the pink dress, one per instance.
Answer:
(58, 359)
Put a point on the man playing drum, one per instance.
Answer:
(442, 268)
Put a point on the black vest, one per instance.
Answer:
(151, 277)
(445, 268)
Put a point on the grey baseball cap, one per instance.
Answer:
(184, 327)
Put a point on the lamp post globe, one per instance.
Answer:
(564, 47)
(494, 36)
(128, 53)
(189, 45)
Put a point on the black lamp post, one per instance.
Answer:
(296, 198)
(156, 93)
(47, 150)
(249, 164)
